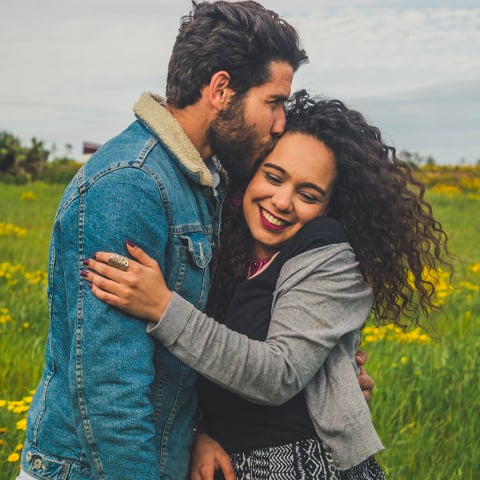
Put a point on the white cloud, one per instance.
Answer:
(384, 51)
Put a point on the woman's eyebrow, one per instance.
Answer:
(276, 167)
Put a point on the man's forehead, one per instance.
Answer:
(280, 80)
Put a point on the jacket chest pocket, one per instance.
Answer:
(199, 249)
(190, 273)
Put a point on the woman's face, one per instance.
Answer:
(291, 187)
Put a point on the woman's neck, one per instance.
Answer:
(261, 252)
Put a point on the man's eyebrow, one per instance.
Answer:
(304, 184)
(278, 98)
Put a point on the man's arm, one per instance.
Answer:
(111, 367)
(207, 458)
(364, 380)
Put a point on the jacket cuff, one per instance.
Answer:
(173, 321)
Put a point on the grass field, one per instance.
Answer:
(426, 404)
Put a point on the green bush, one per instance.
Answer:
(14, 179)
(61, 170)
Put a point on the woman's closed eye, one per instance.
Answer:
(272, 178)
(309, 197)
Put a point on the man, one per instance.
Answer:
(112, 404)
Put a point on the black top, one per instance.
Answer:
(238, 424)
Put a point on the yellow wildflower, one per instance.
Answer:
(10, 230)
(393, 333)
(13, 457)
(22, 424)
(30, 196)
(475, 268)
(446, 189)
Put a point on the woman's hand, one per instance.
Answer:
(140, 290)
(207, 457)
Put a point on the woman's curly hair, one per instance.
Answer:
(398, 243)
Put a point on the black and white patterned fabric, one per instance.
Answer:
(304, 460)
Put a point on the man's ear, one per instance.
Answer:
(219, 91)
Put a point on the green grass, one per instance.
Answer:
(426, 404)
(29, 210)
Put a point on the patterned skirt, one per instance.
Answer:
(304, 460)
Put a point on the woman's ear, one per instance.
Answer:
(219, 91)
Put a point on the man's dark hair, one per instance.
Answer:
(241, 38)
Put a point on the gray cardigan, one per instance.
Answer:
(320, 303)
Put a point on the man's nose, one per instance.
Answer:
(279, 122)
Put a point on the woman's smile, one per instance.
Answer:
(270, 221)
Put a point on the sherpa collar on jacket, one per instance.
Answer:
(150, 108)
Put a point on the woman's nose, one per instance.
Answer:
(282, 200)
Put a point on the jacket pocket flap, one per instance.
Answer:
(199, 248)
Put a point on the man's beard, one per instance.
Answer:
(235, 143)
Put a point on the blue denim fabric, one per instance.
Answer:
(113, 403)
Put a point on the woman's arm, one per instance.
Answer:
(320, 297)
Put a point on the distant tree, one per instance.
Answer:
(417, 158)
(20, 164)
(405, 155)
(413, 159)
(10, 151)
(35, 158)
(53, 152)
(68, 150)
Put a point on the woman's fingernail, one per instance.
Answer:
(84, 273)
(130, 243)
(94, 256)
(86, 262)
(90, 285)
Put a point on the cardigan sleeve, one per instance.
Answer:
(320, 297)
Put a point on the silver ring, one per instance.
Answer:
(118, 261)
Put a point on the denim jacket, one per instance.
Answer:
(112, 402)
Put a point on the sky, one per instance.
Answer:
(71, 71)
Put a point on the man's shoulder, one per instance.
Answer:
(135, 149)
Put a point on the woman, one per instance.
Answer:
(332, 220)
